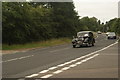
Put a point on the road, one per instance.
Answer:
(100, 61)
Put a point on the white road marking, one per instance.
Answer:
(33, 75)
(58, 71)
(75, 60)
(65, 68)
(78, 63)
(44, 71)
(61, 65)
(68, 62)
(89, 58)
(47, 76)
(11, 60)
(73, 65)
(17, 58)
(52, 68)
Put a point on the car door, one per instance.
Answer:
(91, 37)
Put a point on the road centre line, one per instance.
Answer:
(17, 58)
(77, 63)
(33, 75)
(44, 71)
(71, 66)
(47, 76)
(57, 72)
(52, 68)
(65, 68)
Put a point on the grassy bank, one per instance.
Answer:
(41, 44)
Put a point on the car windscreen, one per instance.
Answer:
(81, 34)
(111, 34)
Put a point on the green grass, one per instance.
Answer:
(41, 44)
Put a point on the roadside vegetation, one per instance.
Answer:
(113, 25)
(37, 24)
(41, 44)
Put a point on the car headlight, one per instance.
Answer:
(74, 40)
(81, 38)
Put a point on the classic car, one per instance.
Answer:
(83, 38)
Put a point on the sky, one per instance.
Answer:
(103, 10)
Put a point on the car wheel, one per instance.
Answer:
(92, 44)
(89, 45)
(74, 46)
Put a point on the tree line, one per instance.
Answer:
(24, 22)
(113, 26)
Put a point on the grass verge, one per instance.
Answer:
(41, 44)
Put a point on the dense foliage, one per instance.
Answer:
(113, 25)
(30, 22)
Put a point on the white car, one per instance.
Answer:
(99, 32)
(111, 35)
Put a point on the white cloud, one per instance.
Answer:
(95, 0)
(102, 9)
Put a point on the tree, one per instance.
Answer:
(32, 21)
(66, 19)
(89, 23)
(113, 25)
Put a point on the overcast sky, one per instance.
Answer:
(101, 9)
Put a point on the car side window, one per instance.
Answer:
(91, 34)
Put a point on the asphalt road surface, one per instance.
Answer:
(100, 61)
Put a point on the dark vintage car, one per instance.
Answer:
(84, 38)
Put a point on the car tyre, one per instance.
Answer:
(74, 46)
(92, 44)
(89, 45)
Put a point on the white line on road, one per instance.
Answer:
(47, 76)
(44, 71)
(33, 75)
(61, 65)
(71, 66)
(77, 63)
(65, 68)
(52, 68)
(17, 58)
(58, 71)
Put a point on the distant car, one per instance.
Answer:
(99, 32)
(111, 35)
(83, 38)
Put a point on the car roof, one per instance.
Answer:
(111, 32)
(84, 31)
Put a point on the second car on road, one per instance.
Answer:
(111, 35)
